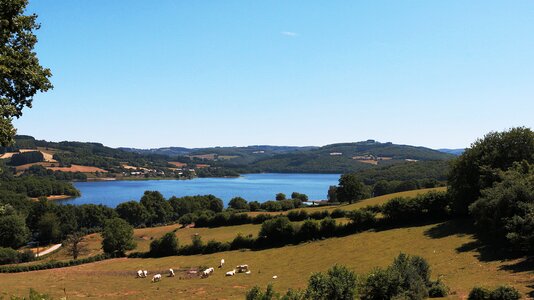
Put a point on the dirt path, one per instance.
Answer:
(49, 250)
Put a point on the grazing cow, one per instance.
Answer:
(274, 277)
(206, 273)
(222, 263)
(140, 273)
(230, 273)
(145, 273)
(156, 277)
(242, 268)
(171, 273)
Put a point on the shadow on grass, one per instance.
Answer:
(487, 249)
(457, 227)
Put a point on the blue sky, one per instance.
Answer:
(220, 73)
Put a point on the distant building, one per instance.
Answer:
(335, 153)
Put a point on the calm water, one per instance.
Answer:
(260, 187)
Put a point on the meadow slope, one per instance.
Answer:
(449, 247)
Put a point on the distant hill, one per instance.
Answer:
(456, 152)
(333, 158)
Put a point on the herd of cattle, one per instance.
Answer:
(204, 274)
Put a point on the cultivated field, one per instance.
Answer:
(449, 247)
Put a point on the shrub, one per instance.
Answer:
(271, 206)
(8, 256)
(214, 246)
(239, 219)
(278, 230)
(505, 293)
(288, 204)
(238, 203)
(309, 230)
(297, 215)
(479, 293)
(167, 245)
(338, 283)
(319, 215)
(361, 219)
(337, 213)
(254, 206)
(438, 289)
(257, 294)
(242, 242)
(328, 227)
(259, 219)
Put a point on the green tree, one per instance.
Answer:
(167, 245)
(277, 230)
(21, 75)
(338, 283)
(506, 211)
(280, 197)
(478, 167)
(332, 193)
(238, 203)
(351, 189)
(159, 210)
(13, 231)
(118, 237)
(49, 228)
(133, 212)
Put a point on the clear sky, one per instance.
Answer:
(220, 73)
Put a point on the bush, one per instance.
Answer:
(257, 294)
(238, 203)
(479, 293)
(271, 206)
(309, 230)
(8, 256)
(167, 245)
(338, 283)
(277, 231)
(242, 242)
(297, 215)
(254, 206)
(337, 213)
(438, 289)
(505, 293)
(328, 227)
(259, 219)
(213, 246)
(407, 278)
(319, 215)
(361, 219)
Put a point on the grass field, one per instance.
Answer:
(449, 247)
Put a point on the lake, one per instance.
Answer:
(259, 187)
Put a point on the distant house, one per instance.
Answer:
(335, 153)
(411, 160)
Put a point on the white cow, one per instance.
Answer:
(222, 263)
(140, 273)
(248, 272)
(145, 273)
(242, 268)
(275, 276)
(156, 277)
(171, 273)
(206, 273)
(230, 273)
